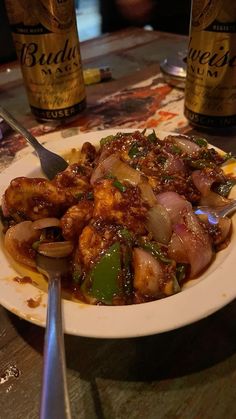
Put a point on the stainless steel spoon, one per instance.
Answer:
(54, 398)
(214, 214)
(51, 163)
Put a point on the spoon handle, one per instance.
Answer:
(15, 125)
(54, 398)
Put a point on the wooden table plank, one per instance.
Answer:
(176, 374)
(115, 42)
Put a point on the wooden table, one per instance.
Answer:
(187, 373)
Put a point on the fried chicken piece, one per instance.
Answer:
(124, 208)
(93, 240)
(88, 153)
(75, 218)
(76, 179)
(35, 198)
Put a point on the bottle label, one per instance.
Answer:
(47, 47)
(210, 90)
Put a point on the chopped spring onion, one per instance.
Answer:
(119, 185)
(202, 142)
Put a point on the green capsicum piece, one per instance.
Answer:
(104, 276)
(107, 140)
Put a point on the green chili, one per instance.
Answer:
(175, 149)
(166, 177)
(200, 163)
(152, 137)
(161, 159)
(224, 189)
(119, 185)
(180, 272)
(79, 196)
(90, 196)
(202, 142)
(134, 150)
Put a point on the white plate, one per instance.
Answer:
(213, 290)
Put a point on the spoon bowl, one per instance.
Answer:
(214, 214)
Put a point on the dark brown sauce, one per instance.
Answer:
(34, 302)
(23, 280)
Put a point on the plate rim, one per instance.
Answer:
(117, 321)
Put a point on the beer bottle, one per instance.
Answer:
(210, 91)
(47, 46)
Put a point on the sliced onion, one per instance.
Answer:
(119, 169)
(214, 200)
(45, 223)
(196, 243)
(203, 181)
(176, 249)
(175, 204)
(147, 193)
(223, 224)
(104, 154)
(104, 167)
(126, 173)
(225, 227)
(148, 273)
(174, 164)
(159, 224)
(18, 242)
(56, 249)
(185, 144)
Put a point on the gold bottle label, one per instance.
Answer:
(210, 92)
(47, 46)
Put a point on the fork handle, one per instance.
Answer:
(16, 126)
(54, 397)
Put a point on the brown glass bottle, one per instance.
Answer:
(210, 91)
(47, 46)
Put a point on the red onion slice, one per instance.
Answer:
(223, 225)
(175, 204)
(122, 171)
(203, 181)
(148, 273)
(174, 164)
(159, 224)
(18, 242)
(214, 200)
(147, 193)
(196, 243)
(185, 144)
(104, 167)
(56, 249)
(176, 249)
(225, 228)
(45, 223)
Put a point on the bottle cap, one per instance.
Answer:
(174, 69)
